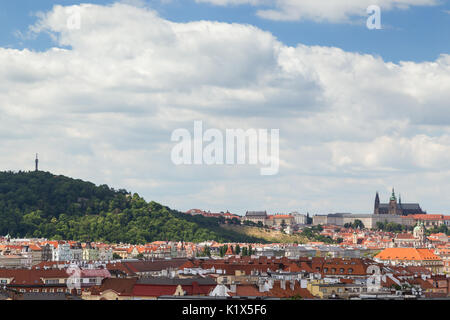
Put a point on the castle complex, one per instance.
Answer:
(396, 208)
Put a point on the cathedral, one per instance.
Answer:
(396, 208)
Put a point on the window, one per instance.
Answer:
(44, 290)
(52, 281)
(333, 270)
(60, 290)
(350, 270)
(35, 290)
(341, 270)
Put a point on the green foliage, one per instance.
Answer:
(40, 204)
(223, 250)
(357, 224)
(206, 252)
(392, 227)
(116, 256)
(313, 233)
(441, 229)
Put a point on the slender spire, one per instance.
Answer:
(37, 163)
(377, 204)
(393, 195)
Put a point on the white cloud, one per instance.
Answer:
(103, 109)
(320, 10)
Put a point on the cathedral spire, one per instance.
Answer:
(377, 204)
(393, 195)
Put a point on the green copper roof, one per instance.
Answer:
(393, 195)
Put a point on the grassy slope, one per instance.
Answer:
(268, 235)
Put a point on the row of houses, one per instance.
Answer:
(232, 277)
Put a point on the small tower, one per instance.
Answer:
(355, 238)
(419, 234)
(37, 163)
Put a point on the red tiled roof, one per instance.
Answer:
(407, 254)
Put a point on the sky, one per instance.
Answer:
(97, 88)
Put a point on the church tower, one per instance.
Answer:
(393, 203)
(37, 163)
(377, 204)
(419, 234)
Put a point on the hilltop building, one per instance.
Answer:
(256, 216)
(396, 208)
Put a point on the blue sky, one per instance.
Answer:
(100, 102)
(416, 34)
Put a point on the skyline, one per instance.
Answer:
(358, 110)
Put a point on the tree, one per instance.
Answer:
(237, 249)
(223, 250)
(206, 252)
(40, 204)
(358, 224)
(380, 225)
(140, 256)
(116, 256)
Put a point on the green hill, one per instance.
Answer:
(40, 204)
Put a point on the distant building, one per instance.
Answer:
(369, 220)
(279, 220)
(415, 239)
(396, 208)
(299, 218)
(256, 216)
(411, 257)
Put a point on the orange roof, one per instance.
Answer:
(406, 254)
(429, 217)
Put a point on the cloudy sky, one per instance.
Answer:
(358, 110)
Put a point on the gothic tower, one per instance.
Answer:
(377, 204)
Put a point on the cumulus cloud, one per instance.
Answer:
(102, 106)
(320, 10)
